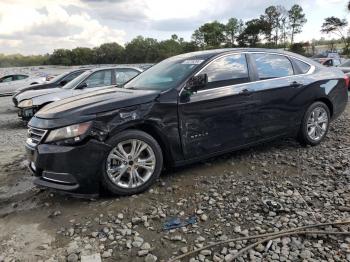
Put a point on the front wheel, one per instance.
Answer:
(133, 164)
(315, 124)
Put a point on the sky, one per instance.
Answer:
(40, 26)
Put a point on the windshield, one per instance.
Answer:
(164, 75)
(57, 78)
(345, 64)
(76, 80)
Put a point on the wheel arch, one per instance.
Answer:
(328, 103)
(158, 136)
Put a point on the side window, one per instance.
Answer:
(124, 75)
(304, 67)
(227, 70)
(7, 79)
(336, 62)
(20, 77)
(100, 78)
(272, 66)
(70, 77)
(328, 63)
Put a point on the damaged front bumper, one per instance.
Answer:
(72, 169)
(27, 113)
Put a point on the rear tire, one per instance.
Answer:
(315, 124)
(133, 165)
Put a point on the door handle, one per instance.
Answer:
(245, 92)
(295, 84)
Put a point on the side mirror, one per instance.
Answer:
(196, 83)
(82, 85)
(63, 82)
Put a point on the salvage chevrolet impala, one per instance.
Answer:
(186, 108)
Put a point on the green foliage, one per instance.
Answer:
(61, 57)
(250, 35)
(210, 34)
(297, 48)
(296, 20)
(337, 26)
(142, 50)
(81, 56)
(231, 31)
(109, 53)
(20, 60)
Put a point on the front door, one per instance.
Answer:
(223, 115)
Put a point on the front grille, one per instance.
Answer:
(35, 136)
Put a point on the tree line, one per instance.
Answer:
(275, 28)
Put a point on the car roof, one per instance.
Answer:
(115, 67)
(207, 54)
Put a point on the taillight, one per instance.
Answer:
(347, 81)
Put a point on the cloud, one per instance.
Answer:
(118, 10)
(39, 26)
(50, 27)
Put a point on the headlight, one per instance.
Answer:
(73, 131)
(26, 103)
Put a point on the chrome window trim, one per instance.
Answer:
(311, 70)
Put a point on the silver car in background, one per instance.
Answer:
(11, 82)
(31, 101)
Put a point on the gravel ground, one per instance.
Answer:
(264, 189)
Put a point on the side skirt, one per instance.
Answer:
(207, 156)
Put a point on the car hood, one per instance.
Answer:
(35, 94)
(86, 106)
(35, 87)
(344, 69)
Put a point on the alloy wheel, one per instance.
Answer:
(317, 123)
(131, 163)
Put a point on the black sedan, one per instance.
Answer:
(184, 109)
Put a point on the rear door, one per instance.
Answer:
(279, 82)
(223, 115)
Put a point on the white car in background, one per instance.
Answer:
(11, 82)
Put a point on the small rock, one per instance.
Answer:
(72, 248)
(184, 250)
(151, 258)
(260, 248)
(146, 246)
(72, 258)
(142, 253)
(229, 258)
(107, 253)
(206, 252)
(91, 258)
(204, 217)
(200, 239)
(305, 254)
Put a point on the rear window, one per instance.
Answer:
(272, 66)
(304, 67)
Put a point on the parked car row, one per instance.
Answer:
(336, 61)
(30, 100)
(116, 129)
(9, 84)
